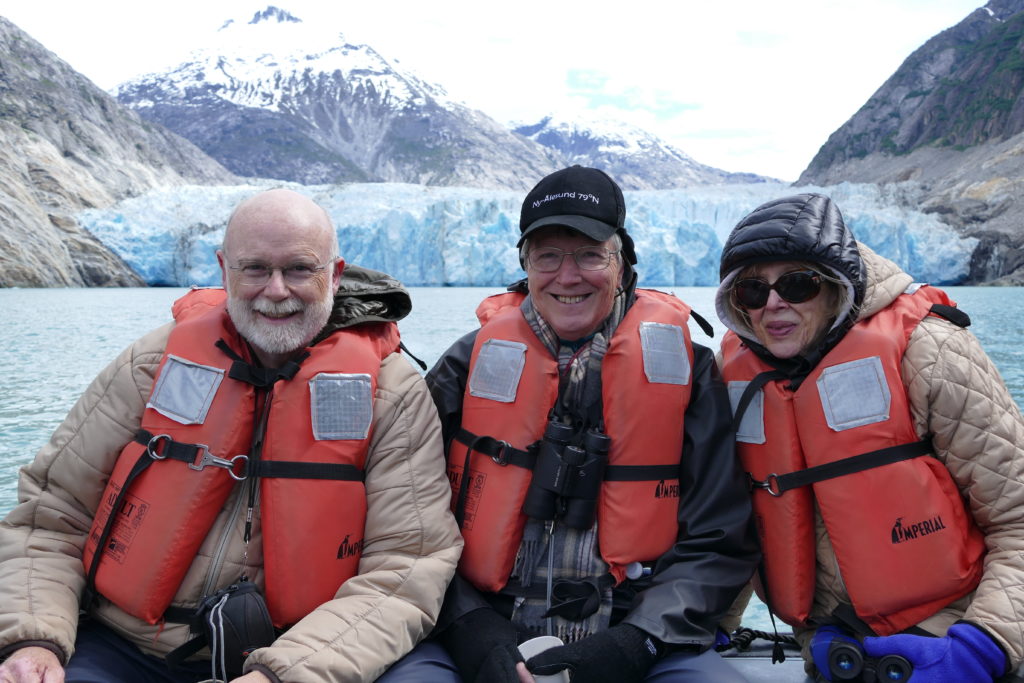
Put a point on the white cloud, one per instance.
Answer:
(745, 86)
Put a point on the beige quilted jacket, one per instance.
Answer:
(960, 402)
(411, 544)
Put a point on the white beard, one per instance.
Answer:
(280, 339)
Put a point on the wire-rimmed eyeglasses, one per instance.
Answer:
(259, 274)
(588, 257)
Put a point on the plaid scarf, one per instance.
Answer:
(571, 553)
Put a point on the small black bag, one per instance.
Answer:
(236, 622)
(233, 622)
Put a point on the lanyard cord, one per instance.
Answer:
(255, 454)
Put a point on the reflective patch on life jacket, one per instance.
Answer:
(185, 390)
(497, 370)
(665, 359)
(854, 394)
(340, 406)
(751, 429)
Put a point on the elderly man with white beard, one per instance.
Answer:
(254, 492)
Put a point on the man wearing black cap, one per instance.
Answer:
(602, 504)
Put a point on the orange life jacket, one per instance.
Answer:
(904, 542)
(311, 467)
(511, 389)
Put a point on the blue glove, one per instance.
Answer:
(966, 654)
(821, 644)
(722, 640)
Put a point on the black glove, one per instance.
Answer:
(483, 645)
(621, 654)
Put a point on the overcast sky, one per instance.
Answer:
(748, 85)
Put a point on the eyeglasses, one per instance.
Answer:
(549, 259)
(795, 288)
(259, 274)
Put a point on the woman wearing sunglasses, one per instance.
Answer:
(884, 453)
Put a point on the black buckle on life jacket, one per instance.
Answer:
(769, 484)
(504, 450)
(203, 457)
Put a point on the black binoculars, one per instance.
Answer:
(567, 476)
(847, 662)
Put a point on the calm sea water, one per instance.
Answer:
(56, 340)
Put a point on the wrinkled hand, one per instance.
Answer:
(620, 654)
(32, 665)
(822, 642)
(524, 675)
(966, 654)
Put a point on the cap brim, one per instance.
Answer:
(592, 228)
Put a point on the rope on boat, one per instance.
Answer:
(742, 637)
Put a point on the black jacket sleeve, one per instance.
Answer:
(695, 582)
(447, 384)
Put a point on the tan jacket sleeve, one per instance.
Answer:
(412, 545)
(958, 398)
(41, 539)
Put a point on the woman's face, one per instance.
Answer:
(787, 329)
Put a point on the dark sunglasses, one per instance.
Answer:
(795, 287)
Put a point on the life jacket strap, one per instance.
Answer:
(90, 592)
(255, 375)
(846, 616)
(283, 469)
(777, 484)
(501, 452)
(952, 314)
(750, 391)
(196, 455)
(163, 447)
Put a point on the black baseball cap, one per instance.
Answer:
(583, 199)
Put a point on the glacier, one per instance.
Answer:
(447, 236)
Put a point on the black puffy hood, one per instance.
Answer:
(804, 227)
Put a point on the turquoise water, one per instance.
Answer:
(56, 340)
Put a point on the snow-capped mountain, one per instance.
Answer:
(637, 159)
(274, 97)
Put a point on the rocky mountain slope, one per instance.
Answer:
(947, 131)
(66, 145)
